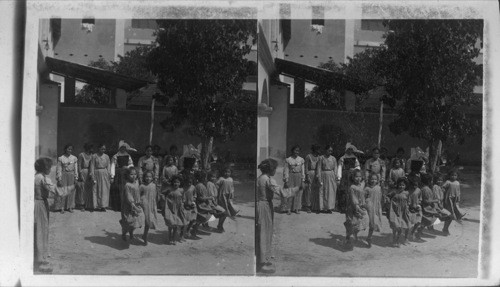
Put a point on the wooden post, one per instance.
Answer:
(152, 120)
(381, 122)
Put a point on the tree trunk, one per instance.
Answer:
(206, 150)
(434, 153)
(381, 123)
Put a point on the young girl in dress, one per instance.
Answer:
(131, 210)
(43, 190)
(437, 190)
(168, 172)
(190, 210)
(395, 174)
(356, 215)
(226, 194)
(212, 190)
(148, 202)
(173, 211)
(452, 199)
(148, 162)
(293, 175)
(431, 204)
(373, 194)
(414, 201)
(399, 217)
(67, 176)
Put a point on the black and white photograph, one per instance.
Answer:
(145, 147)
(370, 146)
(250, 143)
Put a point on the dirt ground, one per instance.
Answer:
(311, 245)
(90, 243)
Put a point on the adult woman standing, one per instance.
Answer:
(43, 190)
(326, 172)
(266, 189)
(85, 185)
(120, 163)
(66, 175)
(311, 192)
(100, 173)
(293, 175)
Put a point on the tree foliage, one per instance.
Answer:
(364, 66)
(201, 68)
(132, 64)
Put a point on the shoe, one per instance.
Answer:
(446, 232)
(297, 211)
(103, 209)
(369, 242)
(145, 240)
(288, 212)
(70, 210)
(308, 210)
(329, 211)
(220, 229)
(82, 209)
(62, 211)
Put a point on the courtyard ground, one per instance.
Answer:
(90, 243)
(312, 245)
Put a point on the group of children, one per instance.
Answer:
(175, 186)
(406, 193)
(412, 203)
(187, 200)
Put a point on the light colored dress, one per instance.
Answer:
(373, 207)
(311, 190)
(264, 217)
(293, 175)
(414, 201)
(85, 185)
(43, 188)
(131, 211)
(148, 202)
(67, 175)
(452, 198)
(189, 199)
(226, 194)
(148, 164)
(356, 215)
(326, 171)
(399, 214)
(173, 212)
(100, 170)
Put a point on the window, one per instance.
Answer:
(318, 15)
(144, 24)
(373, 25)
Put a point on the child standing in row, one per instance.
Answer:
(414, 200)
(148, 202)
(452, 198)
(373, 194)
(399, 217)
(173, 211)
(226, 194)
(131, 210)
(190, 211)
(356, 215)
(212, 190)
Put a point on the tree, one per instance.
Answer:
(430, 70)
(133, 64)
(201, 68)
(365, 66)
